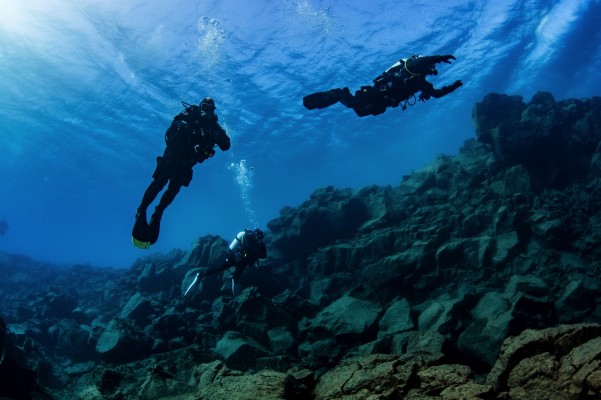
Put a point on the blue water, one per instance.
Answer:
(88, 88)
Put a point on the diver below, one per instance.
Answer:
(398, 84)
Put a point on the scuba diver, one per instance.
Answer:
(398, 84)
(190, 139)
(245, 250)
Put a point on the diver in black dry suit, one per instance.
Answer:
(398, 84)
(190, 139)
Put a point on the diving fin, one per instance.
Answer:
(144, 234)
(139, 235)
(140, 244)
(322, 99)
(192, 284)
(153, 229)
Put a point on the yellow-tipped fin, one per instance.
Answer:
(140, 244)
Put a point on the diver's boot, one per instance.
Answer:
(154, 226)
(156, 216)
(322, 99)
(140, 235)
(141, 212)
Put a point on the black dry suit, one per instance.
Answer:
(190, 139)
(398, 84)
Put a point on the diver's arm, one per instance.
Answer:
(430, 91)
(262, 250)
(221, 138)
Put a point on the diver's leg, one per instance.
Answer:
(160, 177)
(140, 231)
(325, 99)
(346, 98)
(154, 225)
(368, 101)
(150, 194)
(179, 177)
(235, 275)
(166, 199)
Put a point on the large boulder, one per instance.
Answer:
(396, 319)
(137, 309)
(121, 342)
(215, 381)
(387, 376)
(555, 141)
(239, 351)
(553, 363)
(329, 214)
(482, 338)
(159, 272)
(350, 320)
(75, 340)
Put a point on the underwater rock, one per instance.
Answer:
(428, 344)
(207, 252)
(59, 305)
(74, 340)
(329, 215)
(577, 300)
(168, 325)
(348, 319)
(121, 342)
(396, 319)
(281, 340)
(320, 353)
(482, 338)
(379, 376)
(137, 309)
(495, 109)
(529, 285)
(560, 362)
(217, 382)
(437, 315)
(17, 379)
(157, 273)
(109, 381)
(238, 351)
(596, 162)
(555, 141)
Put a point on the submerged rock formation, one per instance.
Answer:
(476, 277)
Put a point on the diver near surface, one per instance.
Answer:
(398, 84)
(245, 250)
(190, 139)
